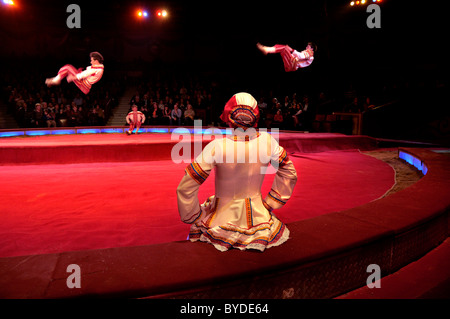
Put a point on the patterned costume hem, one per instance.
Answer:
(224, 239)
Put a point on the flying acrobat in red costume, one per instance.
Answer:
(83, 79)
(292, 59)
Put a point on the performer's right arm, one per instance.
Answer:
(195, 175)
(304, 55)
(86, 73)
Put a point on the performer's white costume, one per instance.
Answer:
(237, 215)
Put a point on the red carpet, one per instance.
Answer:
(55, 208)
(96, 148)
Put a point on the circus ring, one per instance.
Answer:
(326, 256)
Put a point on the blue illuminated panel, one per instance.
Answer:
(88, 131)
(414, 161)
(111, 130)
(12, 133)
(157, 130)
(408, 158)
(63, 132)
(212, 131)
(38, 133)
(181, 130)
(91, 130)
(215, 131)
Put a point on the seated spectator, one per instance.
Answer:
(296, 116)
(101, 114)
(73, 115)
(38, 116)
(262, 104)
(93, 119)
(175, 116)
(269, 118)
(61, 117)
(49, 118)
(278, 119)
(189, 115)
(167, 113)
(155, 115)
(78, 100)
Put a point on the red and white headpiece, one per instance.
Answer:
(241, 111)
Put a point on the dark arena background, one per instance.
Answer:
(79, 197)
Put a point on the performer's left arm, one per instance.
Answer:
(285, 178)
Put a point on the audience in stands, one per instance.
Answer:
(176, 100)
(38, 106)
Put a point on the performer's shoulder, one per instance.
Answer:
(263, 134)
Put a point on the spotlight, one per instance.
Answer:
(162, 13)
(8, 2)
(142, 13)
(353, 3)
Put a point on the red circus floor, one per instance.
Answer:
(50, 208)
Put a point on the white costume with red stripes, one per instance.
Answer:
(135, 119)
(292, 59)
(83, 79)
